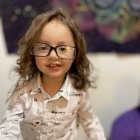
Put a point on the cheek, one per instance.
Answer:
(39, 61)
(69, 64)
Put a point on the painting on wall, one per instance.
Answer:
(16, 17)
(108, 25)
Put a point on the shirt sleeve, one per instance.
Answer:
(10, 124)
(89, 120)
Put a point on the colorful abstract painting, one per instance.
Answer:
(108, 25)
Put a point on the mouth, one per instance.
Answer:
(54, 66)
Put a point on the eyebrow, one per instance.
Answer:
(57, 44)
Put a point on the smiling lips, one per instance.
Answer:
(54, 66)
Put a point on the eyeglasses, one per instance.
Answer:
(62, 51)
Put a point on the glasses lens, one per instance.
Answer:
(40, 49)
(63, 52)
(66, 52)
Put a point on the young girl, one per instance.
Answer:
(50, 100)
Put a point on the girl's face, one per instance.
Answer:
(54, 33)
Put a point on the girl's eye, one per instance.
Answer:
(62, 48)
(43, 48)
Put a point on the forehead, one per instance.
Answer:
(56, 30)
(56, 24)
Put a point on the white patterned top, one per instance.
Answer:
(29, 117)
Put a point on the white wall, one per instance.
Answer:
(118, 83)
(6, 64)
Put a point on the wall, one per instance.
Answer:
(6, 64)
(118, 83)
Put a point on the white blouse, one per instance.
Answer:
(50, 118)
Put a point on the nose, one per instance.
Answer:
(53, 54)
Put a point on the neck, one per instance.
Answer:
(52, 86)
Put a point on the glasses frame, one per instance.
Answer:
(55, 49)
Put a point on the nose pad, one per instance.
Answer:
(53, 54)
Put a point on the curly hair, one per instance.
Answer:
(27, 69)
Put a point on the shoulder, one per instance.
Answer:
(130, 115)
(72, 90)
(125, 126)
(22, 93)
(129, 118)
